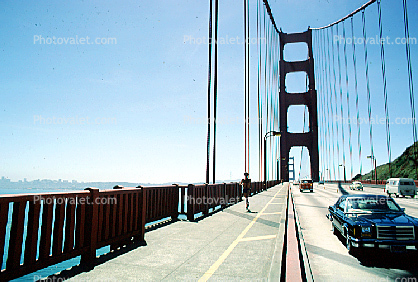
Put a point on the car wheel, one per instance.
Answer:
(396, 196)
(352, 250)
(311, 191)
(412, 196)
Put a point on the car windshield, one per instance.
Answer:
(306, 181)
(372, 204)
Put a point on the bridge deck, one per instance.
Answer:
(230, 244)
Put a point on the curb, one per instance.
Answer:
(275, 273)
(303, 254)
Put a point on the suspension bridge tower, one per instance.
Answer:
(309, 99)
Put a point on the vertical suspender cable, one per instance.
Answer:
(245, 83)
(248, 85)
(385, 92)
(259, 103)
(411, 86)
(341, 98)
(266, 86)
(348, 102)
(325, 104)
(323, 98)
(328, 82)
(330, 106)
(215, 91)
(357, 104)
(209, 88)
(247, 43)
(363, 17)
(319, 85)
(336, 103)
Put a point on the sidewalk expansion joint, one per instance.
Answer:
(265, 237)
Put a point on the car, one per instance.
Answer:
(306, 184)
(373, 222)
(321, 182)
(296, 183)
(356, 185)
(401, 186)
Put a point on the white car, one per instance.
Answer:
(356, 185)
(401, 186)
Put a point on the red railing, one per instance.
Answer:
(202, 198)
(45, 229)
(67, 225)
(162, 202)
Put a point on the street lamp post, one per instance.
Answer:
(375, 167)
(273, 133)
(345, 177)
(329, 176)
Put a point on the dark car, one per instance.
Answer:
(373, 222)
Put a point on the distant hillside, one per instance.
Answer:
(403, 166)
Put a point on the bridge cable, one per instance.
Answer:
(266, 28)
(326, 105)
(209, 91)
(363, 17)
(330, 104)
(341, 100)
(323, 103)
(411, 86)
(259, 103)
(362, 8)
(215, 91)
(348, 102)
(385, 92)
(357, 100)
(246, 87)
(336, 103)
(327, 93)
(320, 87)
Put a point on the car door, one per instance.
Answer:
(339, 215)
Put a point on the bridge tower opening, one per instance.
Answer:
(308, 139)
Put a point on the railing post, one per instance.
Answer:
(91, 226)
(238, 190)
(182, 196)
(190, 202)
(175, 201)
(142, 216)
(206, 203)
(224, 196)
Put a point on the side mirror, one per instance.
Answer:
(403, 209)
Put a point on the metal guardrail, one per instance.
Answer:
(49, 228)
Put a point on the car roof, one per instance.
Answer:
(401, 179)
(352, 196)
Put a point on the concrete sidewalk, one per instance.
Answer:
(229, 245)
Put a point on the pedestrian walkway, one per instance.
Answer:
(228, 245)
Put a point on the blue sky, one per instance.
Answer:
(144, 93)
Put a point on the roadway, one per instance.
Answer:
(328, 257)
